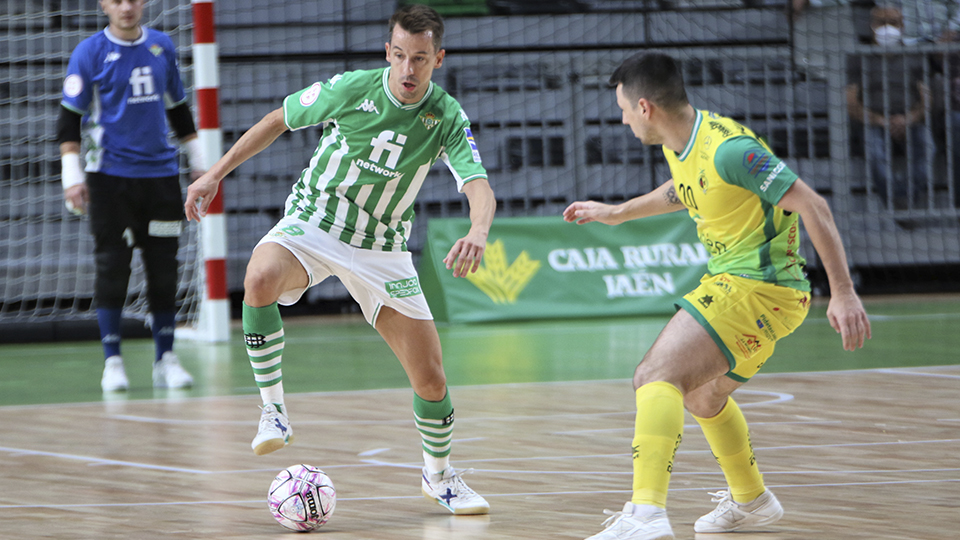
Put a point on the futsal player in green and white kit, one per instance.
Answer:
(350, 215)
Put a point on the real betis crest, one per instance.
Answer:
(429, 120)
(156, 49)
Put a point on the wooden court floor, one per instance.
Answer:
(851, 454)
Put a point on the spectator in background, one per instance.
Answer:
(887, 94)
(925, 21)
(951, 116)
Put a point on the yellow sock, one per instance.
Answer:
(658, 431)
(729, 440)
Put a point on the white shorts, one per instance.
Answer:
(374, 278)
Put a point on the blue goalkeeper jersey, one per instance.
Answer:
(123, 90)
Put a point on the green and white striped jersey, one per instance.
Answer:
(374, 155)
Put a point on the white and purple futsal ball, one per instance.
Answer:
(302, 498)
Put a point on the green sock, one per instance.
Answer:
(435, 423)
(263, 335)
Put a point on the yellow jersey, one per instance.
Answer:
(730, 182)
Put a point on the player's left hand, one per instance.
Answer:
(465, 255)
(847, 316)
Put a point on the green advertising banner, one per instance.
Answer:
(543, 267)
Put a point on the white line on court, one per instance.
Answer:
(260, 502)
(694, 426)
(918, 373)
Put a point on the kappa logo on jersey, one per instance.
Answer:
(72, 86)
(463, 116)
(310, 95)
(473, 145)
(756, 162)
(429, 120)
(368, 106)
(141, 86)
(112, 56)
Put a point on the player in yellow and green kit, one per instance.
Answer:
(747, 205)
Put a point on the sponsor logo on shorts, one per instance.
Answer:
(403, 288)
(724, 284)
(763, 323)
(748, 344)
(804, 302)
(289, 230)
(705, 300)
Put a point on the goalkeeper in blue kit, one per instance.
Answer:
(123, 85)
(349, 214)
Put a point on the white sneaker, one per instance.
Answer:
(114, 377)
(168, 373)
(450, 491)
(274, 433)
(626, 525)
(733, 516)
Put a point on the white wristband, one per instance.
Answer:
(195, 155)
(71, 174)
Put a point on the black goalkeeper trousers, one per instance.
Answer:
(135, 212)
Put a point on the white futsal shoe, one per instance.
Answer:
(635, 522)
(168, 373)
(114, 377)
(275, 431)
(450, 491)
(732, 516)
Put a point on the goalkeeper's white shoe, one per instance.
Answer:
(732, 516)
(114, 377)
(168, 373)
(450, 491)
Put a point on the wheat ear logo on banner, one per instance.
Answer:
(500, 281)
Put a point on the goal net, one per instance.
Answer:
(46, 253)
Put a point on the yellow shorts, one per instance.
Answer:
(745, 318)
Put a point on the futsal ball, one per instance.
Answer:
(302, 498)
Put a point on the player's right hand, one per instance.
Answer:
(586, 211)
(848, 318)
(200, 195)
(76, 198)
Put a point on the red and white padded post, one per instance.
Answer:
(214, 323)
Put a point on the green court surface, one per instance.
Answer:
(344, 353)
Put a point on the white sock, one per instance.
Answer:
(435, 465)
(274, 394)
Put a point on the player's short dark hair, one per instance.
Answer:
(416, 19)
(652, 76)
